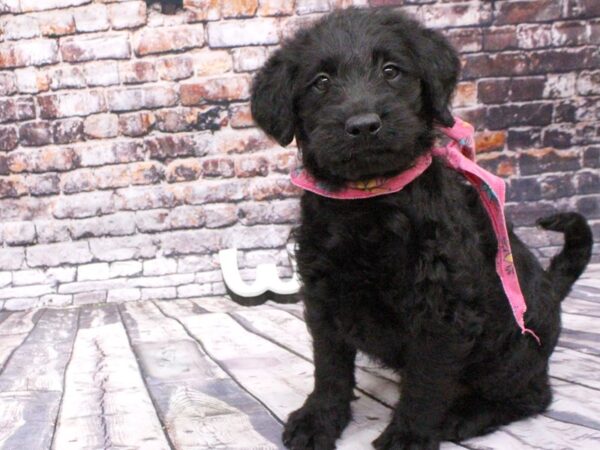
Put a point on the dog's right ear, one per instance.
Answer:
(271, 102)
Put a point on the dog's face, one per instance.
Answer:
(360, 90)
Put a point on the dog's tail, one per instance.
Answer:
(566, 267)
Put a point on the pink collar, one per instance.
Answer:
(458, 154)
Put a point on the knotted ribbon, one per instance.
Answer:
(459, 155)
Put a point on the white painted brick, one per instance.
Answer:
(161, 281)
(88, 298)
(123, 295)
(91, 18)
(193, 290)
(95, 271)
(159, 293)
(311, 6)
(19, 233)
(55, 300)
(104, 73)
(11, 258)
(19, 27)
(31, 81)
(20, 304)
(206, 277)
(41, 5)
(58, 254)
(239, 33)
(5, 279)
(26, 291)
(196, 263)
(125, 268)
(160, 266)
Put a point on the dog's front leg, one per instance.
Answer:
(326, 411)
(429, 386)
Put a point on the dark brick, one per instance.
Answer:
(547, 160)
(493, 91)
(558, 138)
(8, 138)
(526, 214)
(164, 147)
(563, 60)
(495, 65)
(20, 108)
(588, 182)
(527, 11)
(211, 118)
(502, 165)
(589, 206)
(527, 88)
(591, 157)
(12, 187)
(524, 138)
(523, 189)
(34, 134)
(557, 186)
(499, 117)
(67, 131)
(465, 40)
(4, 170)
(565, 111)
(501, 38)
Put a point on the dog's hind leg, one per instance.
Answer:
(473, 415)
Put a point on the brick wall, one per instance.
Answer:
(128, 157)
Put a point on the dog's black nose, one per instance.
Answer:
(363, 124)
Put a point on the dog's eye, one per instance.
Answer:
(322, 83)
(390, 71)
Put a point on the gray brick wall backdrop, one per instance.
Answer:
(128, 157)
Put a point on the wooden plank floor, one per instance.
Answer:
(210, 374)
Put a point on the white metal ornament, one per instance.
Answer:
(266, 286)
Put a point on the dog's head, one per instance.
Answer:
(360, 90)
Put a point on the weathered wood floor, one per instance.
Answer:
(210, 374)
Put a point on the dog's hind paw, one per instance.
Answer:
(314, 428)
(394, 439)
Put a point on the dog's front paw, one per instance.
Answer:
(315, 427)
(394, 438)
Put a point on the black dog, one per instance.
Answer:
(408, 278)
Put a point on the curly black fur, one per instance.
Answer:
(408, 278)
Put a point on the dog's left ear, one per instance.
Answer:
(271, 100)
(440, 67)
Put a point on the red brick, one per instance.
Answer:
(502, 165)
(184, 170)
(129, 99)
(28, 53)
(243, 141)
(456, 15)
(561, 60)
(211, 62)
(44, 184)
(8, 138)
(101, 126)
(275, 8)
(240, 115)
(186, 217)
(239, 8)
(103, 73)
(220, 215)
(233, 87)
(175, 68)
(204, 9)
(499, 117)
(78, 181)
(465, 40)
(87, 48)
(175, 120)
(136, 124)
(169, 146)
(527, 11)
(588, 83)
(547, 160)
(161, 40)
(527, 88)
(91, 18)
(569, 33)
(248, 59)
(8, 85)
(13, 186)
(235, 33)
(277, 212)
(273, 188)
(36, 134)
(534, 36)
(490, 141)
(19, 108)
(43, 160)
(134, 72)
(56, 23)
(71, 104)
(499, 38)
(146, 172)
(67, 130)
(66, 77)
(465, 94)
(251, 166)
(218, 167)
(127, 15)
(37, 5)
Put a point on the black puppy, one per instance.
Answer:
(408, 278)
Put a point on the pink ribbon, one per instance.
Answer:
(459, 155)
